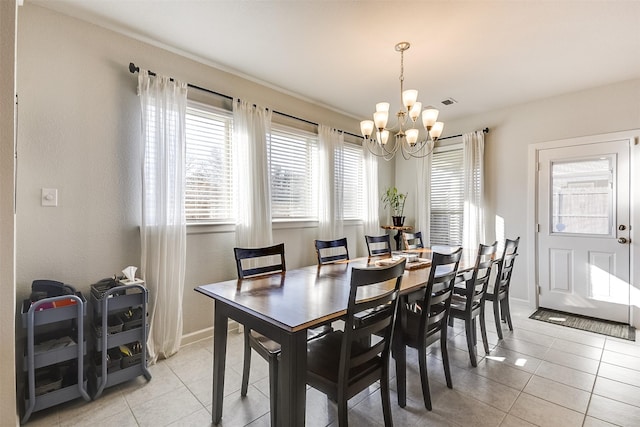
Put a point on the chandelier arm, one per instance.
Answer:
(383, 152)
(420, 147)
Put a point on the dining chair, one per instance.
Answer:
(499, 294)
(328, 251)
(467, 302)
(412, 240)
(424, 323)
(378, 245)
(339, 364)
(273, 261)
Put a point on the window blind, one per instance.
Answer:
(208, 171)
(447, 197)
(293, 159)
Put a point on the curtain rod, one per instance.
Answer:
(485, 130)
(133, 69)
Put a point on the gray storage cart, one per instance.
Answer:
(35, 317)
(110, 304)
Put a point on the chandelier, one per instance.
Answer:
(407, 135)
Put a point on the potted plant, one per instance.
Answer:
(394, 200)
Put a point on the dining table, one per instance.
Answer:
(283, 306)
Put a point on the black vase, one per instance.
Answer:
(398, 221)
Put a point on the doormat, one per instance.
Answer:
(590, 324)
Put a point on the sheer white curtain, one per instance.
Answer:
(423, 198)
(163, 231)
(330, 183)
(251, 128)
(473, 163)
(371, 220)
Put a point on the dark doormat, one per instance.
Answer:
(604, 327)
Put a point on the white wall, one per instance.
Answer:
(79, 132)
(8, 24)
(610, 108)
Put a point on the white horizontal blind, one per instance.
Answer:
(293, 160)
(208, 169)
(352, 182)
(447, 197)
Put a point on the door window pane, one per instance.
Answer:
(582, 199)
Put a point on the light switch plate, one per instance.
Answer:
(49, 197)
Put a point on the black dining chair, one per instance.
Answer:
(343, 363)
(330, 251)
(468, 301)
(412, 240)
(378, 245)
(424, 323)
(499, 294)
(273, 261)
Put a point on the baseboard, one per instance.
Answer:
(521, 302)
(206, 333)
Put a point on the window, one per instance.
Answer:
(447, 197)
(352, 182)
(293, 158)
(208, 171)
(583, 197)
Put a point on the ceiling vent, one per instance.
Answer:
(449, 101)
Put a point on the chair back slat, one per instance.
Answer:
(505, 265)
(378, 245)
(412, 240)
(378, 290)
(329, 251)
(438, 292)
(260, 255)
(476, 286)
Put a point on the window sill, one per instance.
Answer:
(280, 224)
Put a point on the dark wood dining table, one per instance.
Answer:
(283, 307)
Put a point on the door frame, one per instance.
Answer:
(633, 136)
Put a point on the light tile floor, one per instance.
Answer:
(539, 374)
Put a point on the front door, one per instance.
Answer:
(583, 235)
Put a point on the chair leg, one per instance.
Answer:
(507, 311)
(400, 355)
(343, 418)
(496, 316)
(470, 331)
(247, 364)
(483, 331)
(386, 398)
(445, 359)
(273, 389)
(424, 376)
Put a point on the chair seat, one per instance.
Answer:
(410, 330)
(269, 345)
(272, 347)
(323, 358)
(491, 294)
(458, 302)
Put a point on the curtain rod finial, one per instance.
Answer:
(132, 68)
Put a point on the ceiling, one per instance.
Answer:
(484, 54)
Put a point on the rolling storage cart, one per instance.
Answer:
(54, 356)
(120, 329)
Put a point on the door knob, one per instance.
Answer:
(622, 240)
